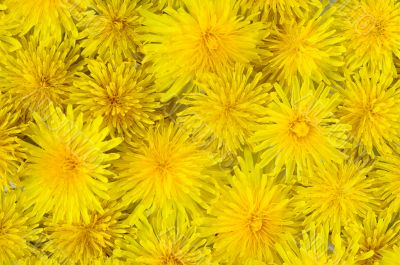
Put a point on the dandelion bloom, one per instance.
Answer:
(119, 92)
(39, 74)
(372, 33)
(225, 107)
(165, 238)
(203, 37)
(166, 168)
(301, 130)
(111, 29)
(305, 49)
(66, 172)
(83, 242)
(371, 106)
(253, 213)
(336, 194)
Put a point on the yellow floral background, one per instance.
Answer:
(197, 132)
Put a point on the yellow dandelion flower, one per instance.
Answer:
(11, 153)
(253, 213)
(336, 194)
(305, 49)
(372, 33)
(165, 239)
(85, 242)
(46, 17)
(204, 36)
(18, 229)
(225, 108)
(66, 172)
(388, 177)
(167, 168)
(377, 235)
(119, 92)
(316, 247)
(39, 74)
(301, 130)
(111, 28)
(391, 256)
(370, 106)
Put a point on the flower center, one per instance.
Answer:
(113, 100)
(369, 108)
(118, 24)
(255, 223)
(369, 24)
(171, 259)
(300, 128)
(44, 82)
(70, 164)
(211, 41)
(163, 166)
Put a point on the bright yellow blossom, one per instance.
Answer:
(253, 214)
(372, 32)
(301, 130)
(204, 36)
(66, 172)
(166, 168)
(121, 93)
(371, 106)
(225, 108)
(39, 74)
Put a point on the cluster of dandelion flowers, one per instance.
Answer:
(183, 132)
(39, 74)
(66, 171)
(253, 213)
(225, 107)
(205, 36)
(121, 93)
(305, 49)
(300, 131)
(166, 168)
(370, 106)
(110, 28)
(372, 33)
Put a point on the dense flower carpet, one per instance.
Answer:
(200, 132)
